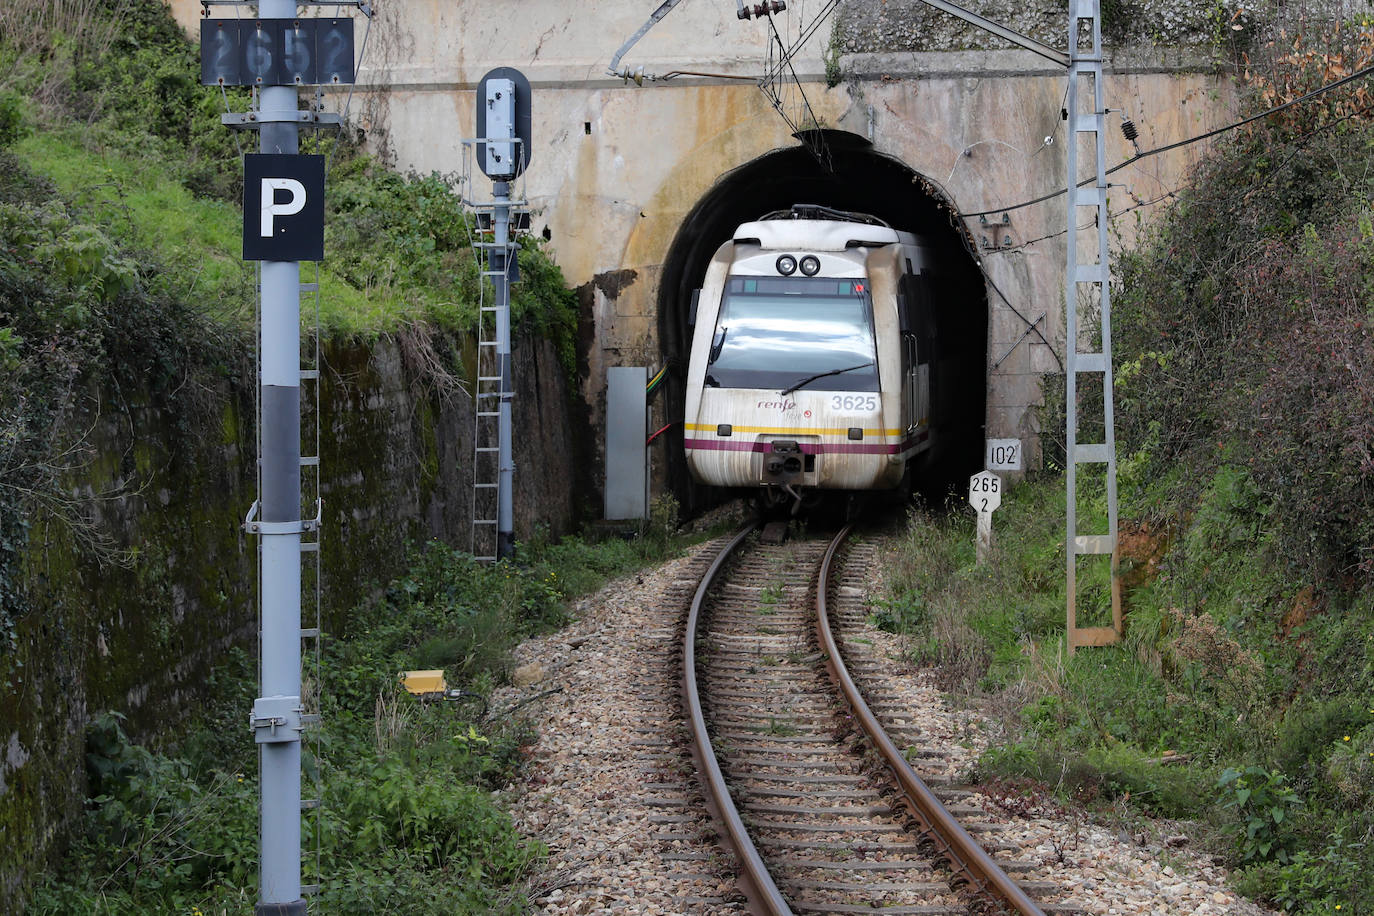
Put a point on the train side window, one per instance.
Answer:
(914, 300)
(921, 307)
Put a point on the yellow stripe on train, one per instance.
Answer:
(784, 431)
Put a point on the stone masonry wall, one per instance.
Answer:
(140, 636)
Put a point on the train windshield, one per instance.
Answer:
(775, 331)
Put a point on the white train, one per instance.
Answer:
(813, 357)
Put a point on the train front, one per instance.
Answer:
(785, 388)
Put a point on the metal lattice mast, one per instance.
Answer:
(493, 462)
(1087, 284)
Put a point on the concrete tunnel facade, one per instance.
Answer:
(631, 183)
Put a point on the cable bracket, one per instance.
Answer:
(253, 120)
(301, 526)
(276, 720)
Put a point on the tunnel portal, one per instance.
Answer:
(858, 178)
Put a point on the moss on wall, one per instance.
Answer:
(135, 623)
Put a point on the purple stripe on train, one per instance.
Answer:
(808, 448)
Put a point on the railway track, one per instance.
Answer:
(815, 799)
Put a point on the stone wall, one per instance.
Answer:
(875, 26)
(138, 631)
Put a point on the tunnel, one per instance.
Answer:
(839, 170)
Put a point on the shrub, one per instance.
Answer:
(1350, 766)
(1254, 289)
(1264, 804)
(1311, 883)
(1308, 730)
(12, 125)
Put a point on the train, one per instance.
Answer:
(813, 363)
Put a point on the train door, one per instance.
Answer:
(917, 347)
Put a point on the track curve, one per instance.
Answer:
(786, 780)
(968, 859)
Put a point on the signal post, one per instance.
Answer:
(283, 225)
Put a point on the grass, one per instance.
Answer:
(197, 239)
(1226, 663)
(411, 821)
(781, 728)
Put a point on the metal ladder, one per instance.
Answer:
(311, 587)
(486, 403)
(487, 394)
(1086, 64)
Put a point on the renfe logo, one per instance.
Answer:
(779, 406)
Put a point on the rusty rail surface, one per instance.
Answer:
(954, 843)
(755, 881)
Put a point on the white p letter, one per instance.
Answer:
(270, 207)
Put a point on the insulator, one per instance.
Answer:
(761, 10)
(1129, 131)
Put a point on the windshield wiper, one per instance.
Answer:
(811, 378)
(712, 381)
(716, 346)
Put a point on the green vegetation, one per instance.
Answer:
(409, 822)
(122, 290)
(76, 308)
(1242, 697)
(127, 136)
(1234, 702)
(119, 261)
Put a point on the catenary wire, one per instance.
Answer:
(1269, 176)
(957, 225)
(1364, 71)
(820, 149)
(775, 70)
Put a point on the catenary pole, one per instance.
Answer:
(280, 512)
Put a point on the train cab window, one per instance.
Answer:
(773, 332)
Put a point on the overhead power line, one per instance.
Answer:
(1363, 72)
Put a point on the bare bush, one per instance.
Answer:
(37, 34)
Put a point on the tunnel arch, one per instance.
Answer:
(858, 178)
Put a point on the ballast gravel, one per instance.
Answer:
(619, 810)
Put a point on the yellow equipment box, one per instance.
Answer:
(421, 683)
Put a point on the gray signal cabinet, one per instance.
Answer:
(627, 456)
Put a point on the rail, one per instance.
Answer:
(755, 881)
(953, 842)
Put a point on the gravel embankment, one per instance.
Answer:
(620, 811)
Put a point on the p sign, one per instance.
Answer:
(283, 207)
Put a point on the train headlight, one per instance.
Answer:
(787, 265)
(810, 265)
